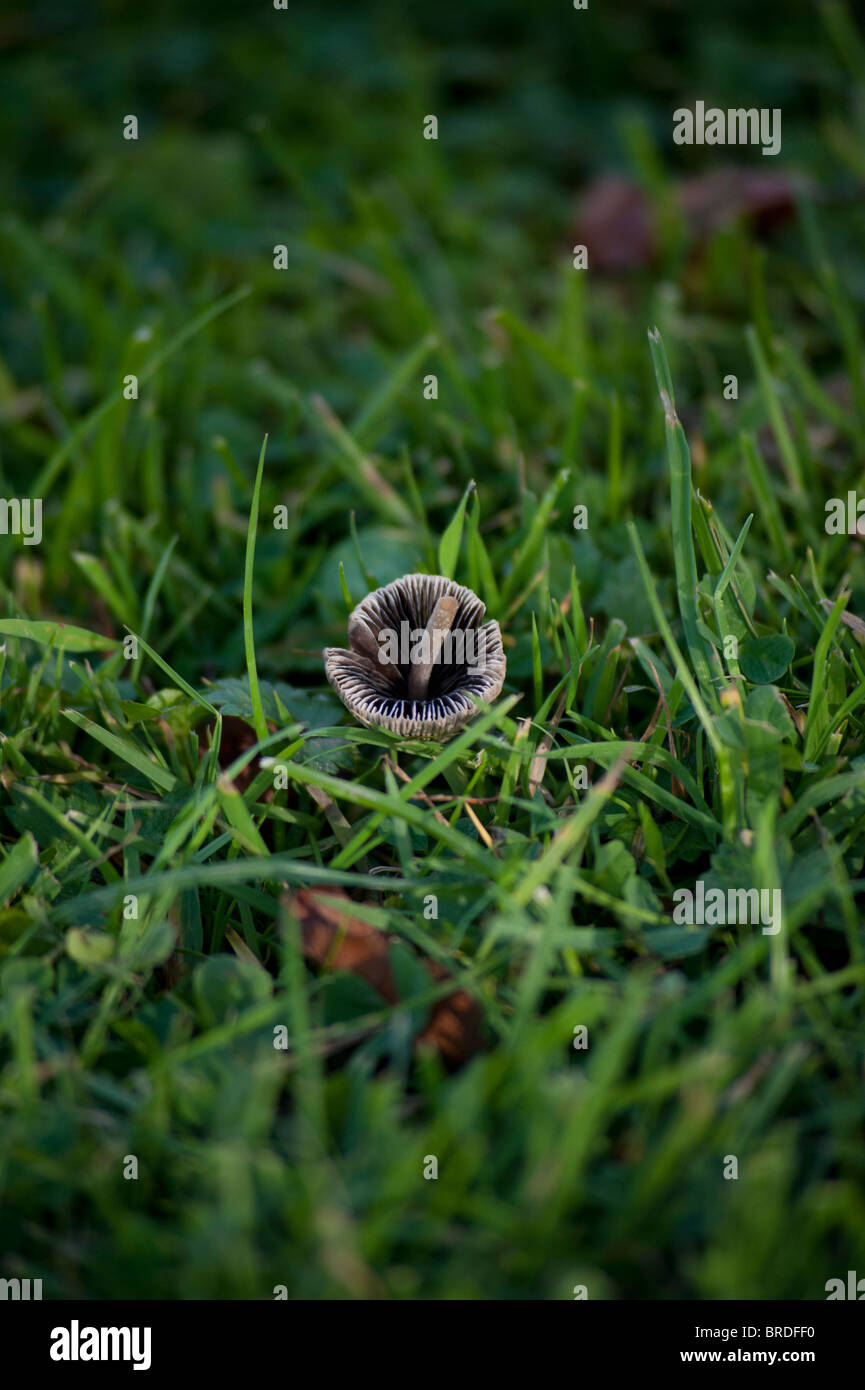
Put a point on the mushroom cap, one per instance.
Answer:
(376, 691)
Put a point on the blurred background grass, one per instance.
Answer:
(303, 128)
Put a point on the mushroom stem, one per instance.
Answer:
(439, 625)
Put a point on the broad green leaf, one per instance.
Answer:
(65, 636)
(765, 659)
(17, 867)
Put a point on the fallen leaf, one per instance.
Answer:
(454, 1027)
(856, 625)
(715, 199)
(237, 736)
(617, 222)
(332, 938)
(614, 222)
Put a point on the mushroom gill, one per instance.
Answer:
(418, 650)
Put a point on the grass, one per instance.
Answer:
(147, 951)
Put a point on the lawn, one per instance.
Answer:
(290, 1007)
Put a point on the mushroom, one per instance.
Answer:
(418, 650)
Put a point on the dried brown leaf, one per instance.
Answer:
(332, 937)
(618, 224)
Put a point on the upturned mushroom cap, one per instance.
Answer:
(418, 650)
